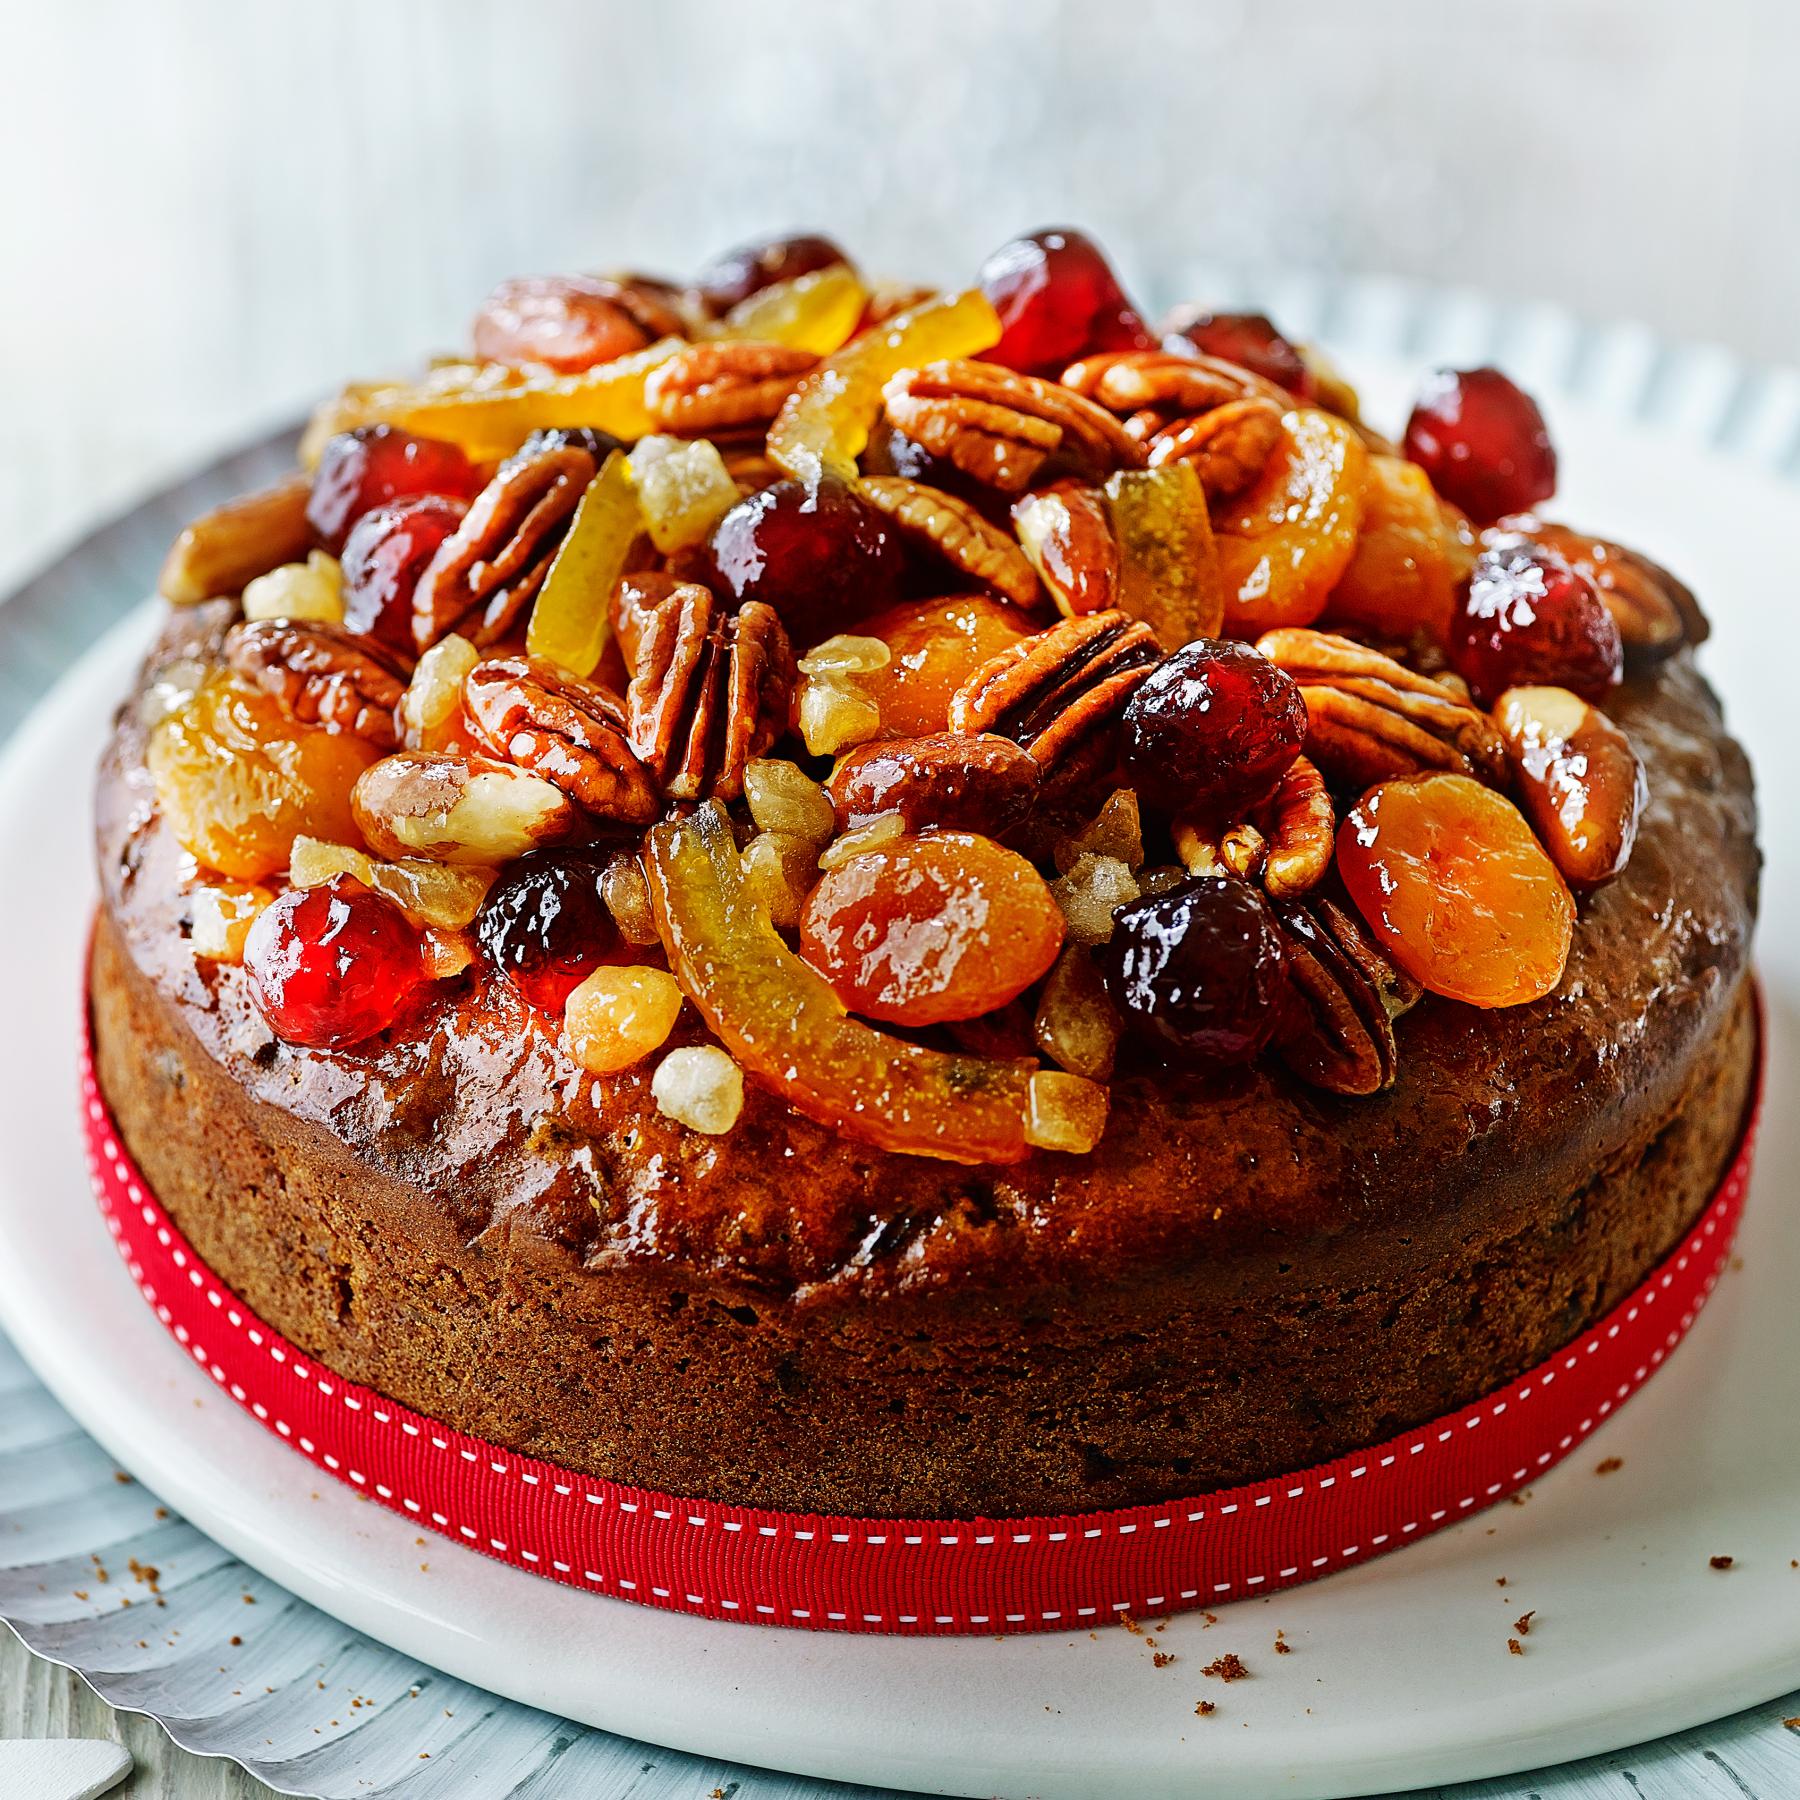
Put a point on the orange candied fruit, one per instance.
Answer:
(1451, 879)
(934, 646)
(928, 929)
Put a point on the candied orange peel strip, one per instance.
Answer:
(783, 1023)
(824, 424)
(571, 619)
(816, 311)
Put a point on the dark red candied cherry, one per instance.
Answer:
(546, 925)
(1528, 619)
(331, 966)
(1252, 342)
(365, 468)
(566, 322)
(1483, 442)
(747, 270)
(1201, 968)
(821, 556)
(1212, 730)
(385, 555)
(597, 443)
(1058, 300)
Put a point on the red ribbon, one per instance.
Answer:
(933, 1576)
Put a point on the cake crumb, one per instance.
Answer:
(1522, 1624)
(1516, 1648)
(235, 1642)
(1792, 1724)
(1211, 1619)
(1131, 1624)
(1205, 1710)
(1162, 1658)
(1282, 1646)
(1609, 1465)
(1499, 1581)
(1720, 1562)
(1229, 1667)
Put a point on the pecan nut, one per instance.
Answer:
(1229, 446)
(1056, 692)
(1066, 532)
(488, 571)
(958, 533)
(1370, 718)
(1301, 828)
(323, 675)
(1163, 381)
(733, 385)
(709, 691)
(458, 809)
(1656, 614)
(1000, 427)
(567, 731)
(1340, 1034)
(983, 784)
(236, 542)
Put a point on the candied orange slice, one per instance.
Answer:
(1168, 562)
(783, 1023)
(824, 424)
(816, 312)
(1450, 878)
(1412, 556)
(571, 619)
(1286, 540)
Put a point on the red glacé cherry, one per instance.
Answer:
(384, 556)
(1251, 341)
(822, 557)
(333, 965)
(1528, 618)
(546, 925)
(365, 468)
(750, 268)
(1058, 300)
(1483, 442)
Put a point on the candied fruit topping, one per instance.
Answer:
(816, 311)
(1463, 897)
(1213, 729)
(1529, 618)
(384, 556)
(699, 1087)
(332, 966)
(1058, 299)
(731, 279)
(571, 619)
(376, 464)
(1252, 342)
(1412, 558)
(934, 646)
(562, 322)
(1483, 442)
(683, 489)
(220, 915)
(617, 1016)
(311, 590)
(1169, 573)
(925, 929)
(546, 925)
(1200, 968)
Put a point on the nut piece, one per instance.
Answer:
(234, 543)
(1301, 828)
(1066, 533)
(982, 784)
(1371, 718)
(710, 690)
(458, 809)
(953, 528)
(701, 1088)
(572, 733)
(1340, 1034)
(1207, 849)
(1054, 693)
(323, 675)
(488, 571)
(1164, 381)
(1580, 781)
(1000, 427)
(1656, 614)
(730, 385)
(1228, 446)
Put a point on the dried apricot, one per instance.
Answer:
(1285, 542)
(927, 929)
(1412, 557)
(1450, 878)
(934, 647)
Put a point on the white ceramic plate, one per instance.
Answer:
(1400, 1673)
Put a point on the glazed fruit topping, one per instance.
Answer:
(1058, 299)
(563, 322)
(387, 551)
(1213, 729)
(983, 783)
(934, 646)
(1252, 342)
(1201, 968)
(1450, 878)
(1527, 617)
(731, 279)
(375, 464)
(546, 925)
(1483, 442)
(945, 926)
(333, 965)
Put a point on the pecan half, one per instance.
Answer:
(1340, 1035)
(1371, 718)
(236, 542)
(958, 533)
(323, 675)
(709, 691)
(1000, 427)
(1656, 613)
(1301, 827)
(732, 385)
(1066, 532)
(569, 732)
(488, 571)
(1163, 381)
(1229, 446)
(1055, 692)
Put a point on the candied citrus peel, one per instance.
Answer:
(1168, 561)
(783, 1023)
(571, 618)
(824, 424)
(816, 311)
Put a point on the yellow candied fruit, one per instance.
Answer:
(312, 590)
(1077, 1026)
(627, 897)
(617, 1016)
(571, 618)
(779, 870)
(816, 311)
(683, 489)
(701, 1088)
(782, 797)
(439, 894)
(872, 836)
(835, 714)
(1065, 1112)
(222, 914)
(1088, 893)
(431, 707)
